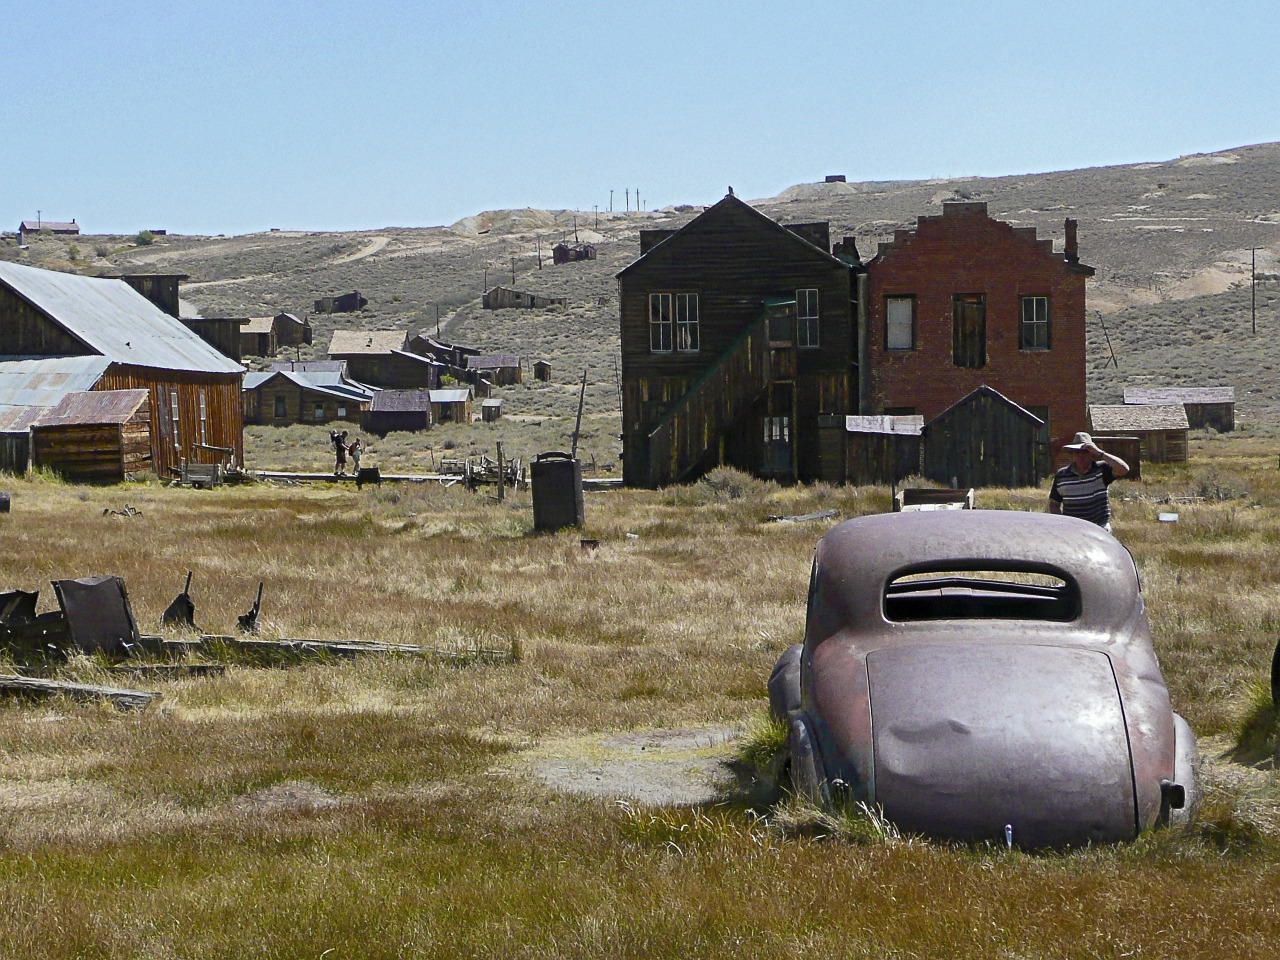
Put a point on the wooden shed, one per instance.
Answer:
(390, 410)
(542, 370)
(98, 436)
(15, 438)
(499, 368)
(1160, 428)
(986, 440)
(1213, 407)
(571, 252)
(258, 337)
(451, 405)
(490, 410)
(343, 303)
(882, 449)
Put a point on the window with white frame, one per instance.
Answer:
(173, 416)
(900, 323)
(1033, 331)
(318, 411)
(204, 420)
(807, 317)
(673, 323)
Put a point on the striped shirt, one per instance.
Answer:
(1084, 495)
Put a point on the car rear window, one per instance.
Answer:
(981, 595)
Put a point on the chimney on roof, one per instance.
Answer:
(1071, 250)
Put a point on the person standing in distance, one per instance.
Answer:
(1080, 488)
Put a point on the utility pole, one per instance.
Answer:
(1253, 288)
(611, 201)
(595, 211)
(577, 426)
(628, 200)
(637, 199)
(437, 320)
(513, 271)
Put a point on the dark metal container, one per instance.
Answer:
(4, 501)
(557, 491)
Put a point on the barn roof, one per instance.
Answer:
(989, 391)
(366, 342)
(114, 320)
(311, 366)
(907, 426)
(95, 406)
(1146, 416)
(53, 226)
(45, 381)
(1148, 395)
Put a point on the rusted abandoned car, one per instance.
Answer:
(984, 675)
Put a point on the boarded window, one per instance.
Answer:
(807, 318)
(969, 329)
(900, 323)
(1033, 332)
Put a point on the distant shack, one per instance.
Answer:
(570, 253)
(1160, 427)
(499, 298)
(1206, 407)
(343, 303)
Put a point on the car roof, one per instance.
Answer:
(855, 561)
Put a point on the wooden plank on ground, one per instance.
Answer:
(33, 686)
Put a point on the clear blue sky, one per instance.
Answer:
(225, 116)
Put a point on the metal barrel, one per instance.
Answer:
(557, 491)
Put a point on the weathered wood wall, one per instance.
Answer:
(25, 331)
(300, 405)
(986, 441)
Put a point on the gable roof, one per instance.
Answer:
(321, 381)
(114, 320)
(992, 392)
(730, 205)
(1138, 416)
(401, 401)
(366, 342)
(258, 325)
(1179, 395)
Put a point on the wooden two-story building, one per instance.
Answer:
(737, 336)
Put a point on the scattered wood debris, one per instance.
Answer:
(35, 687)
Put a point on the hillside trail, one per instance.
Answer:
(368, 250)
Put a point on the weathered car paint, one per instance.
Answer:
(1045, 711)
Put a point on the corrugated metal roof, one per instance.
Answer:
(112, 318)
(347, 342)
(1179, 394)
(322, 381)
(1138, 416)
(907, 426)
(45, 381)
(19, 419)
(95, 406)
(451, 395)
(310, 366)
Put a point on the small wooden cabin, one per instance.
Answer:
(542, 370)
(343, 303)
(280, 397)
(1207, 407)
(258, 337)
(1161, 428)
(390, 410)
(451, 405)
(986, 440)
(490, 410)
(95, 436)
(499, 298)
(498, 368)
(571, 252)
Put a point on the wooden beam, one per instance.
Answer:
(31, 686)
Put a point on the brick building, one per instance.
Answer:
(964, 301)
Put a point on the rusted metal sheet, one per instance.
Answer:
(97, 613)
(972, 671)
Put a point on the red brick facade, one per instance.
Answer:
(965, 253)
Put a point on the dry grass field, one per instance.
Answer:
(394, 807)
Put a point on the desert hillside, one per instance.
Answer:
(1172, 242)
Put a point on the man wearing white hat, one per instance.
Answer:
(1080, 488)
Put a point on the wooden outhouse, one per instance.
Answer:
(986, 440)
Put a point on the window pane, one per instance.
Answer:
(900, 332)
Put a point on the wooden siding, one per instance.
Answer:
(15, 452)
(300, 405)
(223, 422)
(95, 452)
(735, 260)
(881, 458)
(25, 331)
(986, 441)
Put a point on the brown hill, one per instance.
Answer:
(1172, 243)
